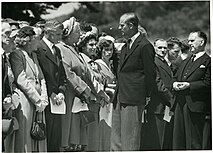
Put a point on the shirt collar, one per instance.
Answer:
(49, 44)
(198, 55)
(134, 38)
(167, 60)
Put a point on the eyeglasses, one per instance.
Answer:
(160, 47)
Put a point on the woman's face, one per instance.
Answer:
(91, 48)
(5, 37)
(107, 52)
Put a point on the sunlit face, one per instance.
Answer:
(195, 42)
(91, 48)
(55, 35)
(174, 51)
(107, 52)
(5, 37)
(123, 26)
(161, 48)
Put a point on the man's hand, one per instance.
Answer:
(180, 85)
(184, 85)
(59, 98)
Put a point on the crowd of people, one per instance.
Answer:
(97, 93)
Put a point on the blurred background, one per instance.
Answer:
(159, 18)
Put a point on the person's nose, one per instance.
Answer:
(94, 46)
(119, 27)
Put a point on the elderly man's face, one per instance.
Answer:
(195, 42)
(55, 35)
(5, 37)
(174, 51)
(161, 48)
(124, 26)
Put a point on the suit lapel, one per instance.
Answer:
(129, 51)
(123, 52)
(183, 67)
(48, 53)
(164, 66)
(134, 46)
(197, 63)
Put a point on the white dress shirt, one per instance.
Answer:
(133, 39)
(49, 44)
(198, 55)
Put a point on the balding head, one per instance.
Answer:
(128, 24)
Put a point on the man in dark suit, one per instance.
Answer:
(49, 57)
(156, 134)
(136, 80)
(193, 97)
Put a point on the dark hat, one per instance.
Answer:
(26, 31)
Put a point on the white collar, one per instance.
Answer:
(134, 38)
(167, 60)
(198, 55)
(49, 44)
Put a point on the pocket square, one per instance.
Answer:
(202, 66)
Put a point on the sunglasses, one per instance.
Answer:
(160, 47)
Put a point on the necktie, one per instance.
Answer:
(128, 47)
(193, 57)
(128, 43)
(54, 49)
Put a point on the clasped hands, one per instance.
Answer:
(178, 86)
(103, 98)
(59, 98)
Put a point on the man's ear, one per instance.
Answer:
(130, 25)
(201, 42)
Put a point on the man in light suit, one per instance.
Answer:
(156, 127)
(136, 81)
(49, 57)
(193, 97)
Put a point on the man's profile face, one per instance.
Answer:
(55, 35)
(161, 48)
(123, 26)
(195, 42)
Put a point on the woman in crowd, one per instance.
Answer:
(80, 87)
(106, 55)
(88, 48)
(31, 88)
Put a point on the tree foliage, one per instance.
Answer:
(159, 18)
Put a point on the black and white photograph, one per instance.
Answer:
(106, 76)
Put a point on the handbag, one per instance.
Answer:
(38, 130)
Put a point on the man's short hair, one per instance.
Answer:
(159, 39)
(52, 25)
(132, 18)
(202, 35)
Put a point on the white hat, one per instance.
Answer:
(5, 27)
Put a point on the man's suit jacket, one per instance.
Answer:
(164, 81)
(52, 68)
(198, 74)
(136, 73)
